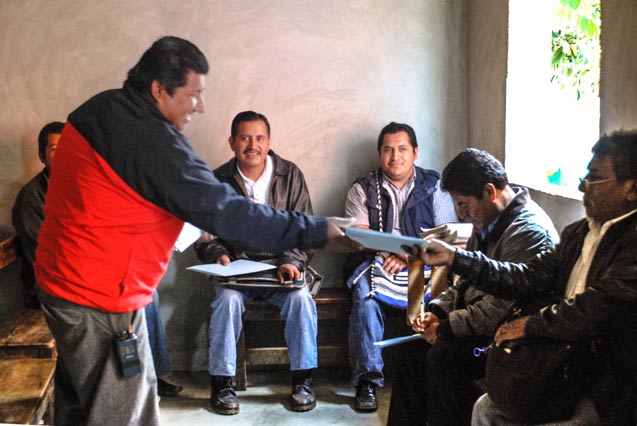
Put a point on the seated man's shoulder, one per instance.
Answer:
(535, 217)
(286, 166)
(35, 189)
(226, 170)
(428, 174)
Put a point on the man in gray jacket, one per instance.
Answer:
(258, 173)
(435, 377)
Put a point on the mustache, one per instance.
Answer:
(249, 150)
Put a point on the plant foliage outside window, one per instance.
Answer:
(552, 107)
(576, 47)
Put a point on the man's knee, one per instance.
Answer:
(442, 355)
(366, 309)
(228, 300)
(483, 412)
(301, 297)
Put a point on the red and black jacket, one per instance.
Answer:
(124, 182)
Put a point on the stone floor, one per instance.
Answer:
(264, 402)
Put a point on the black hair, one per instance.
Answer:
(247, 116)
(168, 61)
(53, 128)
(621, 147)
(393, 128)
(470, 171)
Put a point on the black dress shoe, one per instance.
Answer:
(223, 397)
(168, 389)
(366, 397)
(302, 397)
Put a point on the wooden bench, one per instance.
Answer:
(27, 365)
(26, 390)
(27, 335)
(263, 326)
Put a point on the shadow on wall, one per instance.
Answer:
(185, 309)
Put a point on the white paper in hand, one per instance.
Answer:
(383, 241)
(188, 235)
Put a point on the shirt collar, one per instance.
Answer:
(267, 172)
(409, 183)
(489, 228)
(596, 226)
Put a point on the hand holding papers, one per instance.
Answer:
(383, 241)
(188, 235)
(452, 233)
(336, 238)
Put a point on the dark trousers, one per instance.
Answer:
(89, 387)
(157, 338)
(434, 385)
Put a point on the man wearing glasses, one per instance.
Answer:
(595, 267)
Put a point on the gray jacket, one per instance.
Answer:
(522, 231)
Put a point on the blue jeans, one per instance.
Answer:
(157, 338)
(366, 326)
(298, 309)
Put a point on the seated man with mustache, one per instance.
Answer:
(258, 173)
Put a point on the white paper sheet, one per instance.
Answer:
(238, 267)
(188, 235)
(397, 340)
(382, 241)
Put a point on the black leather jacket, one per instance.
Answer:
(288, 191)
(522, 231)
(606, 309)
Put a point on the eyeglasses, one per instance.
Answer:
(584, 183)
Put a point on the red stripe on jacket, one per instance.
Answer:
(101, 245)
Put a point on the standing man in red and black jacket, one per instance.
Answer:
(126, 179)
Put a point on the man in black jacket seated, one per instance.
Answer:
(434, 381)
(594, 267)
(28, 211)
(256, 172)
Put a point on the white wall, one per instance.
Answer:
(487, 43)
(328, 74)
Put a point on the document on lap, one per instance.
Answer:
(246, 274)
(238, 267)
(383, 241)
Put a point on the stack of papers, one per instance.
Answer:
(245, 274)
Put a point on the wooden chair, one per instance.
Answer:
(262, 342)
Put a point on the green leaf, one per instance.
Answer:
(557, 57)
(574, 4)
